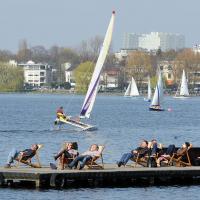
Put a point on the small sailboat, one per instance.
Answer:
(148, 91)
(158, 95)
(94, 83)
(132, 90)
(183, 92)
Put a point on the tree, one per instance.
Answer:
(83, 74)
(11, 78)
(24, 53)
(139, 65)
(190, 61)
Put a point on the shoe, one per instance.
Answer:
(7, 166)
(53, 166)
(119, 164)
(80, 167)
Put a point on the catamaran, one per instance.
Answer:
(184, 93)
(132, 90)
(148, 91)
(158, 95)
(94, 83)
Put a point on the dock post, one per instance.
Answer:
(37, 183)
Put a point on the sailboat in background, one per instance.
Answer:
(94, 83)
(158, 96)
(132, 90)
(148, 91)
(184, 93)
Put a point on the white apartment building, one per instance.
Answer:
(154, 41)
(130, 41)
(36, 74)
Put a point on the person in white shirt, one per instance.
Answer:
(85, 157)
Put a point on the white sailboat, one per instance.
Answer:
(94, 83)
(183, 93)
(148, 91)
(132, 90)
(158, 96)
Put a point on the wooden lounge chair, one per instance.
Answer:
(63, 161)
(92, 164)
(181, 160)
(29, 161)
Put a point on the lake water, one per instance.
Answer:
(122, 123)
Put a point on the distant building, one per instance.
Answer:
(36, 74)
(69, 74)
(110, 77)
(166, 67)
(154, 41)
(130, 41)
(196, 48)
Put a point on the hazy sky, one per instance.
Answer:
(68, 22)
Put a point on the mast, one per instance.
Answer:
(94, 83)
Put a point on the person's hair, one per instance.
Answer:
(187, 144)
(95, 145)
(153, 140)
(61, 107)
(145, 141)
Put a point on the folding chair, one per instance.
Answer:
(29, 161)
(92, 164)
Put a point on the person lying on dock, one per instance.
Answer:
(24, 156)
(142, 150)
(66, 155)
(85, 157)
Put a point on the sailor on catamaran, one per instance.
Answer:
(60, 113)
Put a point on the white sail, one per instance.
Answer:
(158, 94)
(134, 89)
(184, 85)
(94, 83)
(127, 92)
(149, 89)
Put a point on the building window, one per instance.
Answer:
(161, 67)
(42, 79)
(30, 80)
(42, 67)
(41, 73)
(169, 76)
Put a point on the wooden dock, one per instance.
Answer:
(110, 176)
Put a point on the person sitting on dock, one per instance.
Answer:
(85, 157)
(142, 150)
(24, 156)
(67, 154)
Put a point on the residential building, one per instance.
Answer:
(36, 74)
(109, 77)
(130, 41)
(166, 67)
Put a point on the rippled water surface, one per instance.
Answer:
(121, 122)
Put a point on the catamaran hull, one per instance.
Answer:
(181, 97)
(81, 125)
(156, 109)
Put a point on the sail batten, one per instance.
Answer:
(94, 83)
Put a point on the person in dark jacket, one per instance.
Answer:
(142, 150)
(24, 155)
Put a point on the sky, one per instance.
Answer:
(68, 22)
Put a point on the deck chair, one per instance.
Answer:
(181, 160)
(29, 162)
(92, 164)
(63, 161)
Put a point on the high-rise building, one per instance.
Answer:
(130, 41)
(154, 41)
